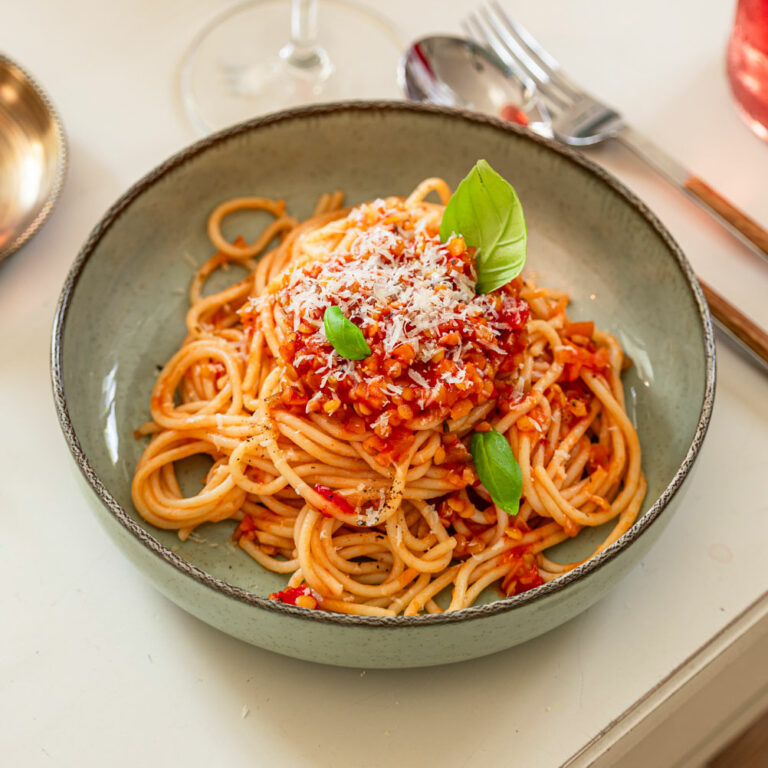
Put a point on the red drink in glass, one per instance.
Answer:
(748, 64)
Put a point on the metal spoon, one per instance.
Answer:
(33, 157)
(455, 72)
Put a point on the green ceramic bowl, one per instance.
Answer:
(121, 315)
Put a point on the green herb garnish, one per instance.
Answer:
(498, 469)
(486, 211)
(345, 337)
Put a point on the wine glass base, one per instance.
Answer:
(239, 66)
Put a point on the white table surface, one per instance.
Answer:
(97, 668)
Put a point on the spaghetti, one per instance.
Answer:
(354, 476)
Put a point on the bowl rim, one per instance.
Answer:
(62, 160)
(496, 607)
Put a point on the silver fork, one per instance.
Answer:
(580, 119)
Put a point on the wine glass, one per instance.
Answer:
(265, 55)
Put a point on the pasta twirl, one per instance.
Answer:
(353, 477)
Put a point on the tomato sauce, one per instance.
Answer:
(425, 364)
(335, 498)
(290, 595)
(523, 575)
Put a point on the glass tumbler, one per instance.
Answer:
(747, 64)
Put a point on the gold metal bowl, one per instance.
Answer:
(33, 157)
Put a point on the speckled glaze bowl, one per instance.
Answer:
(121, 316)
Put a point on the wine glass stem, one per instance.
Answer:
(303, 51)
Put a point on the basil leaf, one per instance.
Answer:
(345, 337)
(486, 211)
(498, 469)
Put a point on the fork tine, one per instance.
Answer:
(520, 40)
(498, 27)
(474, 30)
(479, 33)
(520, 64)
(526, 37)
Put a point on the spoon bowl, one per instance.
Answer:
(455, 72)
(32, 157)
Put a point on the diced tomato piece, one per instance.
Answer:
(292, 396)
(599, 456)
(576, 358)
(524, 574)
(513, 114)
(336, 499)
(246, 527)
(301, 596)
(585, 329)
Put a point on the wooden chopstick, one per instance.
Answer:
(739, 220)
(737, 324)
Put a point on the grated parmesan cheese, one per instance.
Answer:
(400, 285)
